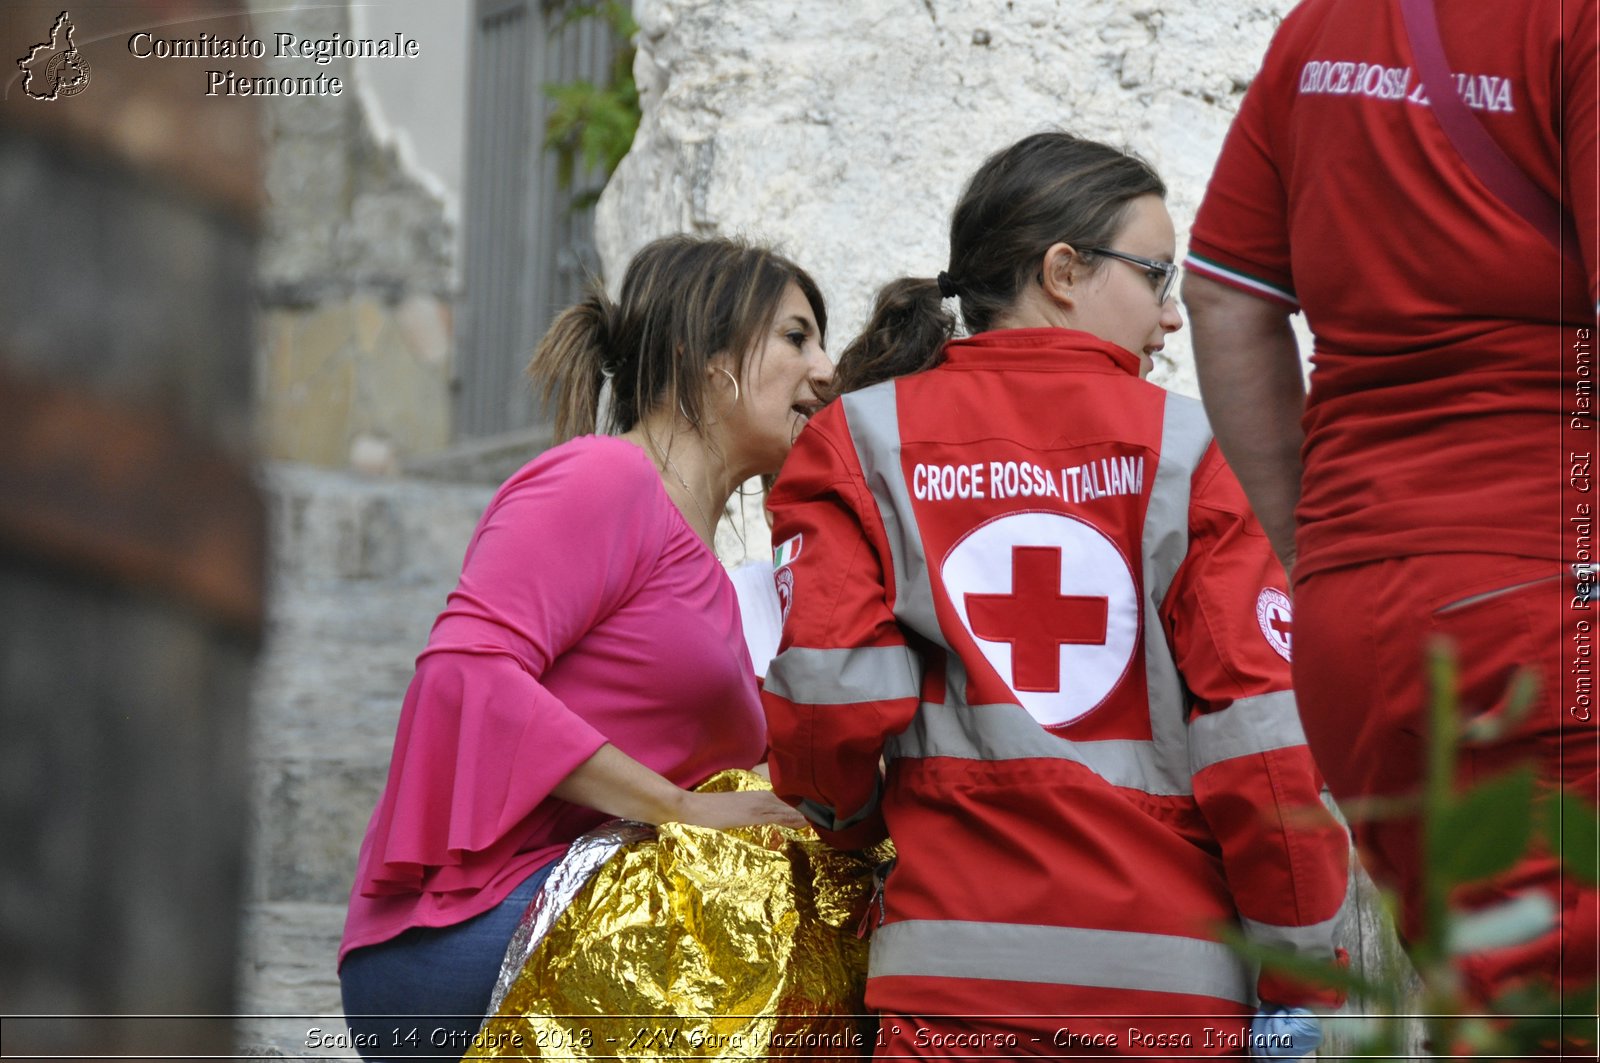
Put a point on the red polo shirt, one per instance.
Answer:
(1443, 321)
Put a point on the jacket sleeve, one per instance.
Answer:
(845, 678)
(481, 741)
(1581, 140)
(1228, 617)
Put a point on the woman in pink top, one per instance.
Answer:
(590, 663)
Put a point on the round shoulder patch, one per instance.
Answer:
(1275, 614)
(784, 580)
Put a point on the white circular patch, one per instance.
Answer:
(1051, 603)
(1276, 616)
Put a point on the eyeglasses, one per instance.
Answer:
(1161, 275)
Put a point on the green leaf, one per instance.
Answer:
(591, 126)
(1539, 1021)
(1573, 831)
(615, 13)
(1484, 831)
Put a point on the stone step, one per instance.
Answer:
(336, 664)
(486, 461)
(337, 525)
(307, 822)
(288, 983)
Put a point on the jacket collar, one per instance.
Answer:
(1039, 348)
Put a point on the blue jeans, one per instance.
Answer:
(425, 992)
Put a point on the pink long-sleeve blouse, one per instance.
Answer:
(587, 612)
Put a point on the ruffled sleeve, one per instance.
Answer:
(482, 741)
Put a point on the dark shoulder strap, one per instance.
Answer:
(1504, 178)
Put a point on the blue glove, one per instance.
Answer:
(1284, 1033)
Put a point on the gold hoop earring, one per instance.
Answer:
(735, 381)
(735, 405)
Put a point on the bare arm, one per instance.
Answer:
(1248, 362)
(614, 783)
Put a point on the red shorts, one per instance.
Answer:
(1361, 637)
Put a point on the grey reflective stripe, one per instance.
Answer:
(916, 741)
(1185, 435)
(828, 819)
(874, 419)
(1249, 725)
(1007, 732)
(1110, 959)
(955, 680)
(1313, 942)
(844, 677)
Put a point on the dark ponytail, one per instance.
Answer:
(906, 333)
(1045, 189)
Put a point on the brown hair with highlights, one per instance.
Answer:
(684, 300)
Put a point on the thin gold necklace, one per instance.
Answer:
(710, 524)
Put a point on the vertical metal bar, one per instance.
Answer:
(508, 221)
(494, 356)
(468, 329)
(480, 238)
(526, 254)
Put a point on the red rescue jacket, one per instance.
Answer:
(1028, 582)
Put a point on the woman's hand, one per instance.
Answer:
(614, 783)
(746, 808)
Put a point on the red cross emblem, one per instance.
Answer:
(1275, 614)
(1036, 619)
(1052, 608)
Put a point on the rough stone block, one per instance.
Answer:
(336, 667)
(425, 325)
(355, 367)
(308, 381)
(760, 123)
(400, 396)
(308, 827)
(338, 525)
(288, 982)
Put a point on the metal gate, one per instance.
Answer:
(527, 253)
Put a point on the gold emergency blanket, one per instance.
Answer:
(684, 942)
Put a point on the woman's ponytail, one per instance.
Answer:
(571, 363)
(906, 333)
(684, 300)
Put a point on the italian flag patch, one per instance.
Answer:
(785, 553)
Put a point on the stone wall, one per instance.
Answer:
(843, 132)
(361, 566)
(356, 276)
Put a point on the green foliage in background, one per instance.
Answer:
(1469, 836)
(591, 126)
